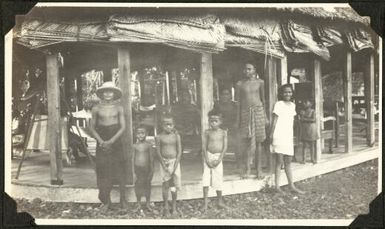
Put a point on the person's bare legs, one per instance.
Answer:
(289, 174)
(165, 189)
(148, 198)
(221, 204)
(303, 152)
(138, 203)
(123, 201)
(205, 198)
(245, 158)
(312, 151)
(278, 164)
(174, 197)
(258, 160)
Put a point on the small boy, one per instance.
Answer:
(143, 167)
(107, 126)
(214, 148)
(228, 109)
(169, 151)
(309, 133)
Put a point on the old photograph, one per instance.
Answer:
(227, 114)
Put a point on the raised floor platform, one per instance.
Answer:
(80, 181)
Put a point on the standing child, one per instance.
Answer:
(169, 151)
(107, 126)
(228, 109)
(143, 167)
(214, 148)
(309, 133)
(281, 136)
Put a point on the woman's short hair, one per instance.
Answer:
(281, 88)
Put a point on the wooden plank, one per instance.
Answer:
(348, 102)
(231, 185)
(369, 94)
(125, 86)
(54, 128)
(318, 103)
(206, 90)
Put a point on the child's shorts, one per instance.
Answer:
(213, 176)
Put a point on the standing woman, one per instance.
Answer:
(281, 136)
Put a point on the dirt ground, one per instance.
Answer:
(339, 195)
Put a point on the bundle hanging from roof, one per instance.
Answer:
(328, 35)
(298, 37)
(358, 39)
(197, 33)
(259, 35)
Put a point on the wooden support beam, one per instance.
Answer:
(54, 123)
(318, 104)
(283, 71)
(348, 102)
(206, 90)
(125, 86)
(369, 94)
(271, 92)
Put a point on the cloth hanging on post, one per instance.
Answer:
(39, 138)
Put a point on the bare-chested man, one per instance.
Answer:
(143, 167)
(169, 151)
(251, 117)
(107, 126)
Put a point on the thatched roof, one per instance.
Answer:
(271, 31)
(202, 33)
(332, 13)
(38, 33)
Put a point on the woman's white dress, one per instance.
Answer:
(283, 137)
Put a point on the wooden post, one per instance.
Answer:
(54, 123)
(206, 90)
(271, 97)
(369, 94)
(125, 86)
(348, 102)
(318, 104)
(283, 71)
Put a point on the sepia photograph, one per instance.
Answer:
(193, 114)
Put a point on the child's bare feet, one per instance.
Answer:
(278, 190)
(148, 206)
(259, 176)
(204, 208)
(222, 206)
(123, 205)
(105, 207)
(174, 211)
(138, 207)
(166, 212)
(296, 190)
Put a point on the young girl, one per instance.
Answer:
(281, 136)
(309, 134)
